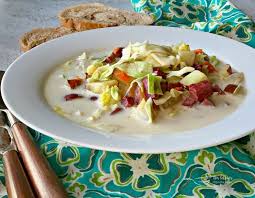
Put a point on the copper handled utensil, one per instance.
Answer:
(44, 181)
(17, 183)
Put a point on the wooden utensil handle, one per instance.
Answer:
(16, 180)
(42, 177)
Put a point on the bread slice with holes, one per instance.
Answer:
(40, 35)
(96, 15)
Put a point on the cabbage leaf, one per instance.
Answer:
(136, 69)
(194, 77)
(102, 73)
(188, 57)
(180, 72)
(144, 110)
(173, 93)
(154, 86)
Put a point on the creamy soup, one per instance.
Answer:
(190, 98)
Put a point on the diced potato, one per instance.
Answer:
(99, 87)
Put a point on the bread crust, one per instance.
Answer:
(40, 35)
(84, 16)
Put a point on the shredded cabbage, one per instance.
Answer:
(102, 73)
(188, 57)
(144, 110)
(93, 67)
(200, 59)
(194, 77)
(174, 79)
(139, 83)
(154, 86)
(81, 60)
(83, 56)
(213, 60)
(180, 72)
(164, 60)
(235, 78)
(139, 112)
(173, 93)
(110, 96)
(148, 109)
(136, 69)
(165, 69)
(139, 51)
(160, 49)
(99, 87)
(180, 47)
(115, 93)
(151, 60)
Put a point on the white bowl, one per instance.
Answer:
(23, 95)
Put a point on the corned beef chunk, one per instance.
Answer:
(230, 88)
(127, 101)
(189, 101)
(72, 97)
(201, 90)
(198, 93)
(138, 95)
(117, 110)
(210, 67)
(117, 53)
(229, 70)
(158, 72)
(73, 83)
(217, 89)
(178, 86)
(145, 86)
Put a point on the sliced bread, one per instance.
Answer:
(96, 15)
(40, 35)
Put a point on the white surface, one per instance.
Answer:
(247, 6)
(20, 16)
(22, 89)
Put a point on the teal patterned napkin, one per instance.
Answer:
(227, 170)
(216, 16)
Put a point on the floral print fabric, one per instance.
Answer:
(227, 171)
(215, 16)
(224, 171)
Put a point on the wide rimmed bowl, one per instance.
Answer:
(22, 89)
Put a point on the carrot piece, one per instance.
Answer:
(210, 67)
(198, 51)
(122, 76)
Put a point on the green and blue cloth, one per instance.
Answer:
(225, 171)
